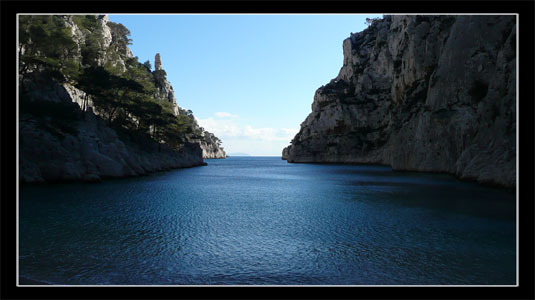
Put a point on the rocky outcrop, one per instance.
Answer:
(422, 93)
(107, 37)
(94, 152)
(74, 143)
(157, 62)
(209, 143)
(165, 89)
(166, 93)
(211, 146)
(285, 153)
(105, 43)
(212, 151)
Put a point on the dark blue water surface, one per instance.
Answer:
(260, 220)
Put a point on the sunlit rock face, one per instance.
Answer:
(425, 93)
(107, 41)
(211, 145)
(106, 32)
(212, 151)
(157, 62)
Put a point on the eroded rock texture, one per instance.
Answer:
(91, 150)
(424, 93)
(211, 146)
(95, 152)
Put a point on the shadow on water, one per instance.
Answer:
(437, 191)
(264, 221)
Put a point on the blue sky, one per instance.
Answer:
(249, 79)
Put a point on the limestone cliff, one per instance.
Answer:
(165, 90)
(107, 43)
(63, 137)
(422, 93)
(211, 146)
(94, 150)
(209, 143)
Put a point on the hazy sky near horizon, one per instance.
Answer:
(249, 79)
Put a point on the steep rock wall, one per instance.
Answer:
(165, 89)
(423, 93)
(212, 151)
(209, 143)
(95, 152)
(210, 146)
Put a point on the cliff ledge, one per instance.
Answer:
(421, 93)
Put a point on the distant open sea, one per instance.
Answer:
(263, 221)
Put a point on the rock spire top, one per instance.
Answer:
(157, 62)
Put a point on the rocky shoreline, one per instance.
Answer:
(95, 153)
(65, 137)
(211, 147)
(421, 93)
(93, 150)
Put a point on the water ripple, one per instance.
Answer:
(263, 221)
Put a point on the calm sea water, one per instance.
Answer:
(260, 220)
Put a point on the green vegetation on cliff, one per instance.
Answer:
(94, 58)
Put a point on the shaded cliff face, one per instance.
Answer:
(89, 150)
(95, 153)
(424, 93)
(62, 134)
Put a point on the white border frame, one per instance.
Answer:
(260, 285)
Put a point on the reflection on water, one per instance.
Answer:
(260, 220)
